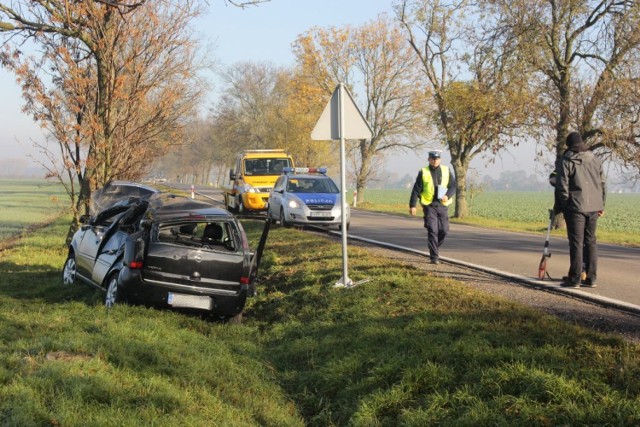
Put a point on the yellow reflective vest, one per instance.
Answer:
(428, 187)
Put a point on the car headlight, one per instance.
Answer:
(293, 204)
(249, 189)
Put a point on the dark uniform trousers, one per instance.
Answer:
(436, 221)
(581, 229)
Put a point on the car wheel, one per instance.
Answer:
(113, 291)
(69, 271)
(348, 225)
(283, 222)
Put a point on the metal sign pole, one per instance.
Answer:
(346, 281)
(341, 120)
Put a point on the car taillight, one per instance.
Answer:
(244, 280)
(135, 265)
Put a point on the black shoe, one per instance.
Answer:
(589, 284)
(568, 283)
(435, 261)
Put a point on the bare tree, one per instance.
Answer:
(587, 54)
(263, 106)
(123, 77)
(375, 62)
(478, 91)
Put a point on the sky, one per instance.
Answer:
(261, 33)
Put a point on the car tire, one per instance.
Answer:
(113, 291)
(348, 225)
(70, 270)
(283, 222)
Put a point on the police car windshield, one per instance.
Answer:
(312, 185)
(265, 166)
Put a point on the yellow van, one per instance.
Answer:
(252, 179)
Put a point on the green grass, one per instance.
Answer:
(388, 352)
(66, 360)
(25, 202)
(405, 348)
(524, 211)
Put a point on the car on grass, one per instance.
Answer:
(306, 196)
(165, 250)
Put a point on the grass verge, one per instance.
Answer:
(405, 348)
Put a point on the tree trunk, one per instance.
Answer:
(362, 175)
(460, 170)
(360, 190)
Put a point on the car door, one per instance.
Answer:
(96, 251)
(88, 247)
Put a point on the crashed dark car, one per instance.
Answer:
(165, 250)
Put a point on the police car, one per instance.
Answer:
(306, 196)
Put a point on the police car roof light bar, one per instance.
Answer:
(304, 170)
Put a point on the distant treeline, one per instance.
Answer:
(508, 181)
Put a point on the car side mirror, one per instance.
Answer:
(85, 219)
(145, 224)
(232, 174)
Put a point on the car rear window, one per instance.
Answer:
(214, 235)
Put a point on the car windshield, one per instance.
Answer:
(266, 166)
(312, 185)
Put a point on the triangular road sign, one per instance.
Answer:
(355, 126)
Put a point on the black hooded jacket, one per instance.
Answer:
(580, 183)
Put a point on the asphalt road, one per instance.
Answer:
(514, 253)
(508, 253)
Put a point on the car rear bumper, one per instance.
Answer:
(222, 302)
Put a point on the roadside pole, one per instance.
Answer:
(346, 281)
(341, 120)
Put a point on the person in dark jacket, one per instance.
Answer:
(434, 188)
(580, 195)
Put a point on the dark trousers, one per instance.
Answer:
(436, 221)
(581, 232)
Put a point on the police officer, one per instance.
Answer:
(435, 187)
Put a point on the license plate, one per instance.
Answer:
(324, 214)
(189, 301)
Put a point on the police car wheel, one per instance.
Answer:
(283, 222)
(340, 226)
